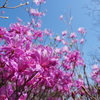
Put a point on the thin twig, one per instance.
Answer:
(4, 17)
(22, 86)
(17, 6)
(5, 5)
(88, 93)
(86, 77)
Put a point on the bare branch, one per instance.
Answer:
(5, 5)
(4, 17)
(88, 93)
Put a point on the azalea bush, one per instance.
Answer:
(36, 64)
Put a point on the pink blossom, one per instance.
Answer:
(61, 17)
(35, 12)
(26, 64)
(2, 12)
(97, 79)
(38, 2)
(74, 57)
(95, 67)
(3, 97)
(79, 83)
(2, 33)
(74, 40)
(44, 56)
(33, 21)
(37, 33)
(19, 20)
(38, 24)
(82, 41)
(57, 50)
(64, 42)
(23, 96)
(58, 38)
(64, 33)
(48, 32)
(73, 35)
(65, 49)
(82, 30)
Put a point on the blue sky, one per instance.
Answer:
(51, 20)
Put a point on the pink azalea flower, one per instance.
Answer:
(48, 32)
(58, 38)
(65, 49)
(95, 67)
(97, 79)
(19, 20)
(44, 56)
(3, 97)
(74, 57)
(38, 24)
(26, 65)
(73, 35)
(79, 82)
(37, 33)
(82, 30)
(23, 96)
(82, 41)
(64, 42)
(2, 12)
(39, 1)
(61, 17)
(35, 12)
(57, 50)
(74, 40)
(64, 33)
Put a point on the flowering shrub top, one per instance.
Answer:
(25, 65)
(30, 70)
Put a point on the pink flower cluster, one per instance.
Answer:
(82, 30)
(96, 74)
(72, 59)
(38, 2)
(31, 70)
(27, 67)
(35, 12)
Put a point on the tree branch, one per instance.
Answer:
(5, 5)
(88, 93)
(4, 17)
